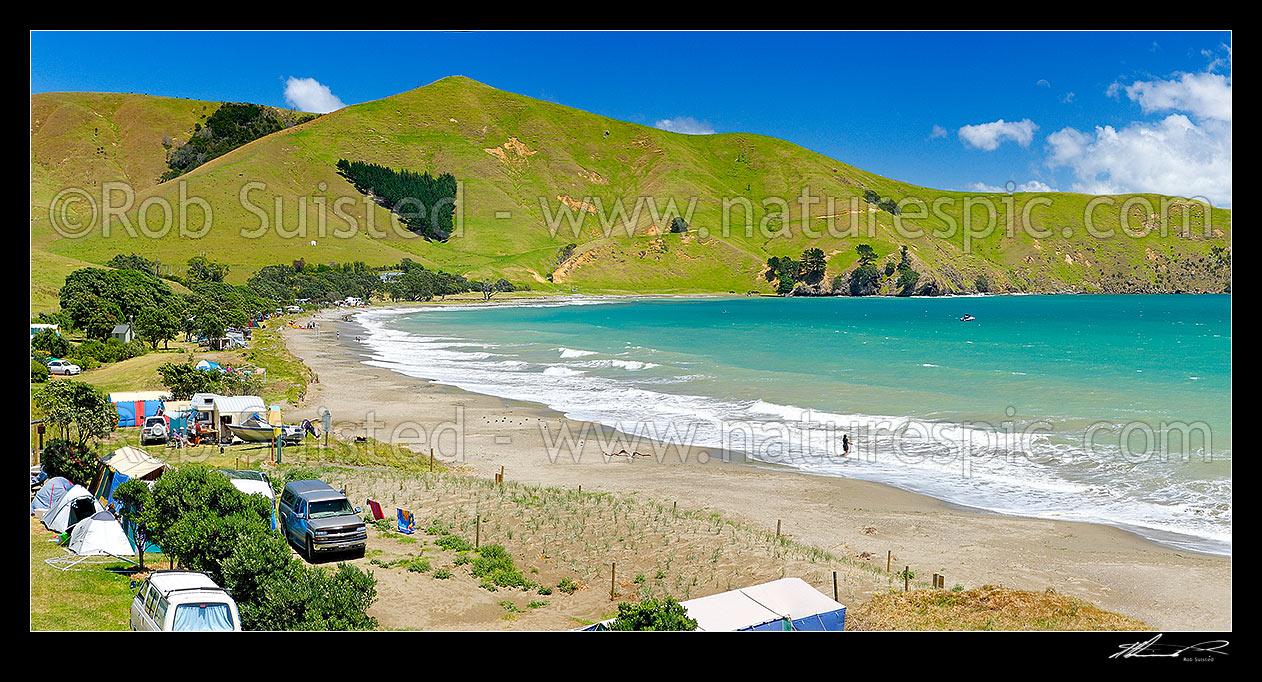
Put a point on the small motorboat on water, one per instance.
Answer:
(257, 430)
(967, 318)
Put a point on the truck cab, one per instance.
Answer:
(183, 601)
(319, 519)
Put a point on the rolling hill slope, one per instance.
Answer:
(523, 162)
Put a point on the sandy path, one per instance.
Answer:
(1167, 588)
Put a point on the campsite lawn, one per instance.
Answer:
(93, 599)
(135, 374)
(286, 377)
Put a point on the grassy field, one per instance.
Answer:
(285, 379)
(984, 608)
(95, 599)
(512, 152)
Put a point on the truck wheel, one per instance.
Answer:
(310, 550)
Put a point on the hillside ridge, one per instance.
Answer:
(523, 161)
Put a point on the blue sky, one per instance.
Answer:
(1145, 111)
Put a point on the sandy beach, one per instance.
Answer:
(1167, 588)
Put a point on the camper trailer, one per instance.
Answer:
(234, 410)
(210, 413)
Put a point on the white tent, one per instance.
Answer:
(98, 536)
(48, 493)
(73, 506)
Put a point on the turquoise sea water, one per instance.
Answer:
(1114, 409)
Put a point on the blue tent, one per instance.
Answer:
(48, 493)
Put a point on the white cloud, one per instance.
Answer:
(1187, 153)
(686, 125)
(1035, 186)
(938, 131)
(989, 136)
(1171, 156)
(1203, 95)
(1067, 98)
(983, 187)
(1030, 186)
(309, 94)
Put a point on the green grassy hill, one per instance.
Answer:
(510, 152)
(81, 139)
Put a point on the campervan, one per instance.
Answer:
(183, 601)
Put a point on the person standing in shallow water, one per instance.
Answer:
(845, 445)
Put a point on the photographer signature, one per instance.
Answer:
(1151, 649)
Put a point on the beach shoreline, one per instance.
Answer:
(1167, 587)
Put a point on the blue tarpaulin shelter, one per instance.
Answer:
(133, 412)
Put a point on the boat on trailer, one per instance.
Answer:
(257, 430)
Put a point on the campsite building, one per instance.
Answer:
(123, 332)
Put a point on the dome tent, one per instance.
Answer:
(98, 536)
(72, 507)
(48, 493)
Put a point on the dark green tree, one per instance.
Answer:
(80, 412)
(813, 265)
(157, 324)
(653, 614)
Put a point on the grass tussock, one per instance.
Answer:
(985, 608)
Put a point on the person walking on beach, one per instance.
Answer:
(845, 445)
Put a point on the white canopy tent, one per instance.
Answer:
(95, 540)
(786, 604)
